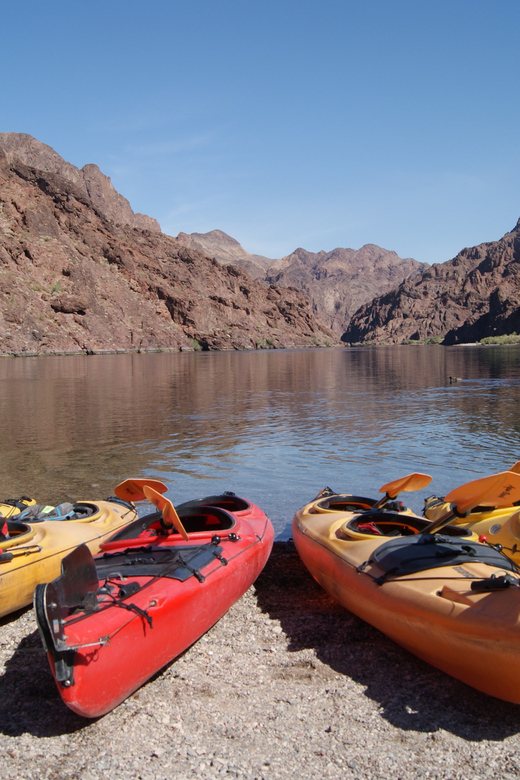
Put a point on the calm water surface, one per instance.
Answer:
(273, 426)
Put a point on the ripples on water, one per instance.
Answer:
(273, 426)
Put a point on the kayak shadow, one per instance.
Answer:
(29, 700)
(411, 694)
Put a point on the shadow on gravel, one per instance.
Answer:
(29, 700)
(411, 694)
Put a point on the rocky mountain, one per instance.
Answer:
(339, 282)
(474, 295)
(226, 250)
(89, 180)
(78, 275)
(336, 282)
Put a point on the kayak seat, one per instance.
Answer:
(205, 518)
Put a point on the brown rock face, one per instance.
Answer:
(338, 282)
(89, 180)
(227, 250)
(74, 279)
(477, 294)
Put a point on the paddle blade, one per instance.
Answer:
(516, 467)
(498, 490)
(132, 489)
(406, 484)
(165, 506)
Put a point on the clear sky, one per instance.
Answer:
(285, 123)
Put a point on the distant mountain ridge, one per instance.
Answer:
(474, 295)
(337, 283)
(366, 296)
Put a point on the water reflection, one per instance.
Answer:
(274, 426)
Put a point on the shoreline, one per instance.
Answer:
(287, 684)
(160, 350)
(177, 350)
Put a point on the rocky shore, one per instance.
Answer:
(287, 685)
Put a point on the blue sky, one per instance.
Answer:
(291, 123)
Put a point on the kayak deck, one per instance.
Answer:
(459, 609)
(149, 590)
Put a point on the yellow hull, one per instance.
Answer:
(13, 508)
(38, 548)
(435, 614)
(499, 526)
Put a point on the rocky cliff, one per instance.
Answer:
(476, 294)
(76, 276)
(339, 282)
(336, 282)
(89, 181)
(226, 250)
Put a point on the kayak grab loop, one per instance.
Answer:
(133, 608)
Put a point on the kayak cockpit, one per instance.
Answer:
(15, 533)
(195, 519)
(384, 523)
(228, 501)
(344, 503)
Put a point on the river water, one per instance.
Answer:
(273, 426)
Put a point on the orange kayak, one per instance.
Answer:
(446, 598)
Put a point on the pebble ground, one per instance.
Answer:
(287, 685)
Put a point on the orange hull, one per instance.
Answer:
(470, 634)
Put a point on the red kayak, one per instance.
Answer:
(111, 622)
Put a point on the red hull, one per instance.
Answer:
(114, 650)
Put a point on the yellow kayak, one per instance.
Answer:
(496, 526)
(14, 506)
(448, 599)
(32, 552)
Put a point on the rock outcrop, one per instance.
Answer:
(336, 282)
(339, 282)
(89, 180)
(227, 250)
(474, 295)
(74, 277)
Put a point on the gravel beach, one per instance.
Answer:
(287, 685)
